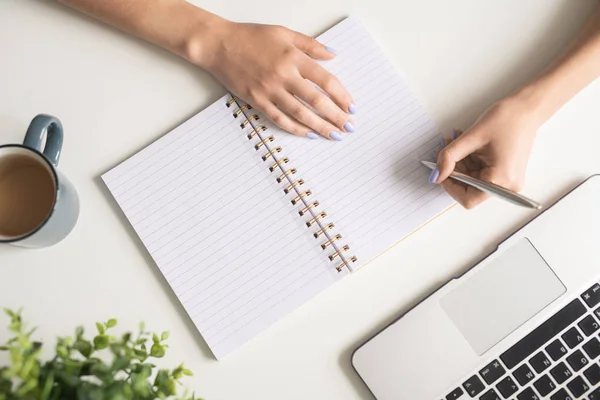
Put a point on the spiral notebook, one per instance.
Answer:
(247, 222)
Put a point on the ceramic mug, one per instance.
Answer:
(38, 205)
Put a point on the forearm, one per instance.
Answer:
(175, 25)
(567, 76)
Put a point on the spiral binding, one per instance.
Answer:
(294, 186)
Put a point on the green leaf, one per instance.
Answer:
(111, 323)
(120, 363)
(142, 326)
(100, 327)
(165, 335)
(62, 351)
(140, 354)
(84, 347)
(27, 387)
(48, 383)
(8, 312)
(140, 386)
(126, 337)
(79, 332)
(187, 372)
(101, 372)
(3, 348)
(141, 341)
(157, 350)
(164, 383)
(101, 342)
(116, 348)
(155, 338)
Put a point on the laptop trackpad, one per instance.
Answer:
(502, 296)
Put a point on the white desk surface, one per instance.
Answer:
(116, 94)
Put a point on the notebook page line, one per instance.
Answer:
(158, 146)
(225, 272)
(166, 169)
(135, 171)
(142, 203)
(356, 200)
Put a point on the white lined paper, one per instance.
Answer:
(371, 184)
(220, 228)
(226, 237)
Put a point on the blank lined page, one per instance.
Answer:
(371, 184)
(220, 228)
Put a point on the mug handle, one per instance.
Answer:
(41, 124)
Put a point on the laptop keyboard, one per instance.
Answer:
(558, 360)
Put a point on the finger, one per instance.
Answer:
(283, 121)
(312, 46)
(466, 196)
(331, 85)
(460, 148)
(322, 104)
(305, 116)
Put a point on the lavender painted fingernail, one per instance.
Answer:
(434, 175)
(454, 133)
(434, 155)
(312, 135)
(349, 127)
(443, 142)
(336, 136)
(352, 108)
(331, 50)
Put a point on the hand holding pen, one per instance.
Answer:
(495, 149)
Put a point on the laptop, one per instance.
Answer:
(523, 323)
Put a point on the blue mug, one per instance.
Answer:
(39, 207)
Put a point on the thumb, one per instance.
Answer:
(460, 148)
(312, 47)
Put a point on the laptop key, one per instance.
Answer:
(572, 337)
(577, 360)
(595, 395)
(589, 325)
(561, 373)
(523, 374)
(528, 394)
(592, 348)
(597, 312)
(561, 395)
(539, 362)
(544, 385)
(492, 372)
(507, 387)
(556, 350)
(543, 333)
(578, 387)
(473, 386)
(455, 394)
(592, 374)
(592, 296)
(490, 395)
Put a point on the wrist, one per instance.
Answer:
(531, 100)
(204, 39)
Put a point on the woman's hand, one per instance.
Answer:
(495, 149)
(268, 67)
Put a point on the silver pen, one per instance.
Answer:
(488, 187)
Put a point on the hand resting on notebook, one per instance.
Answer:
(497, 147)
(267, 66)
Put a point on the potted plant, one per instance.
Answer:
(104, 367)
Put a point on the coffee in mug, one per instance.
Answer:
(27, 190)
(38, 205)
